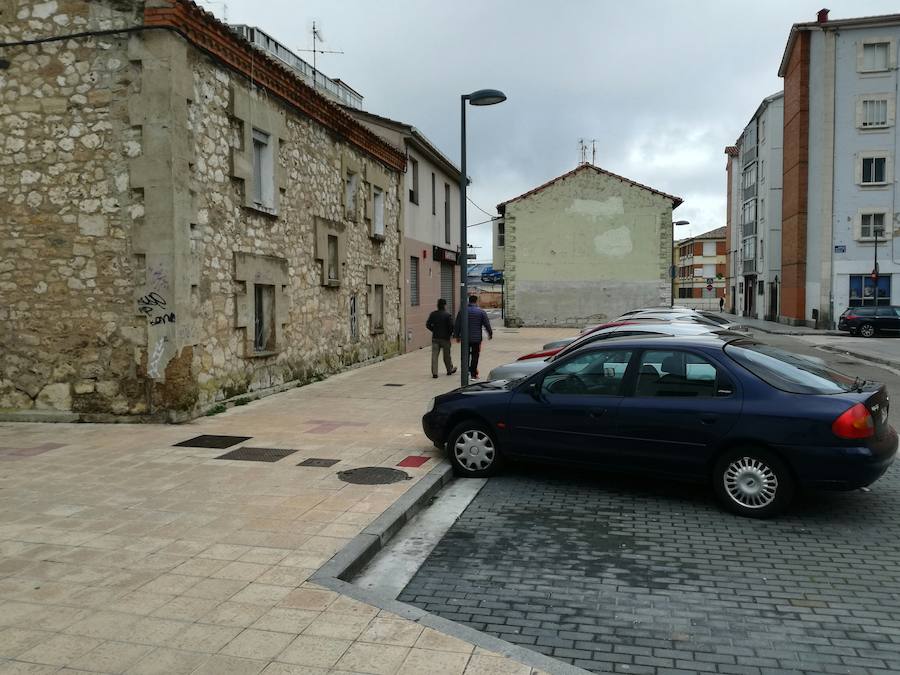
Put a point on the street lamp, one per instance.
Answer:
(480, 97)
(672, 268)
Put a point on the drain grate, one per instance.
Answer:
(258, 454)
(373, 475)
(217, 442)
(392, 384)
(314, 461)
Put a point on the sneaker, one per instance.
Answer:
(451, 372)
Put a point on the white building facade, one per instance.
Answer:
(754, 232)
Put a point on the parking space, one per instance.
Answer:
(619, 574)
(623, 574)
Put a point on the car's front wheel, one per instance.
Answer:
(867, 330)
(473, 450)
(753, 483)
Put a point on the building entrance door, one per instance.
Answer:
(749, 296)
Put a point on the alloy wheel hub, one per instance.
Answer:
(750, 483)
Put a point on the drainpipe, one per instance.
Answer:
(826, 294)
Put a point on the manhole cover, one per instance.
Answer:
(258, 454)
(391, 384)
(218, 442)
(314, 461)
(373, 475)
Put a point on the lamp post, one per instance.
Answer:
(672, 268)
(480, 97)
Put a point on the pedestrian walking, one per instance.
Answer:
(478, 319)
(440, 323)
(721, 304)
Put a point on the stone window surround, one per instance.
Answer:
(324, 228)
(251, 269)
(375, 276)
(860, 55)
(888, 168)
(257, 113)
(857, 225)
(371, 176)
(879, 96)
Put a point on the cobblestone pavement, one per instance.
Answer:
(618, 575)
(614, 575)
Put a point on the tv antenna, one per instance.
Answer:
(317, 37)
(594, 152)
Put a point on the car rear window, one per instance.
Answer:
(789, 372)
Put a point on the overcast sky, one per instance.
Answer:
(663, 87)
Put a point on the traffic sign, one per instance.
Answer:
(709, 287)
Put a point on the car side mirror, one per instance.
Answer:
(534, 389)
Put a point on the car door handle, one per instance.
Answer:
(708, 419)
(597, 413)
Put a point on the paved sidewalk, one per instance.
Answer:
(120, 552)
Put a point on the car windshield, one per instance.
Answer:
(789, 372)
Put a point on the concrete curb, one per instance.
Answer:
(354, 556)
(862, 357)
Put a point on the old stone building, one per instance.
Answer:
(182, 219)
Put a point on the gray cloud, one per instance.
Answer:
(661, 86)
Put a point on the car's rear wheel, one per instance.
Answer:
(473, 450)
(867, 330)
(753, 483)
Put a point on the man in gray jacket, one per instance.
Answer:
(440, 323)
(477, 319)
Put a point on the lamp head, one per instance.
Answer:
(486, 97)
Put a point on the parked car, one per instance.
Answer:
(531, 363)
(684, 315)
(754, 421)
(559, 344)
(867, 321)
(491, 276)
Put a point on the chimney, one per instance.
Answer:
(822, 16)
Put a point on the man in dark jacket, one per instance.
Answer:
(440, 323)
(478, 319)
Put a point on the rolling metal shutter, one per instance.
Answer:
(448, 290)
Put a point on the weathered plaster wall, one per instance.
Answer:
(68, 333)
(587, 247)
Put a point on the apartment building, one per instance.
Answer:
(700, 265)
(753, 222)
(430, 261)
(840, 153)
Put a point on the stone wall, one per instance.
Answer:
(66, 208)
(129, 255)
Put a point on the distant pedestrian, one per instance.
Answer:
(721, 304)
(440, 323)
(478, 319)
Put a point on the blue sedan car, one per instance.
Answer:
(755, 421)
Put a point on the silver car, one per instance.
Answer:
(520, 369)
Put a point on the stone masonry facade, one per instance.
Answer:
(136, 268)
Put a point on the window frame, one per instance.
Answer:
(377, 309)
(351, 194)
(433, 196)
(501, 234)
(262, 160)
(890, 55)
(865, 282)
(414, 176)
(333, 260)
(415, 295)
(260, 319)
(858, 225)
(889, 111)
(378, 212)
(874, 156)
(448, 229)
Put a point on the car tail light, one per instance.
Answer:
(849, 317)
(856, 422)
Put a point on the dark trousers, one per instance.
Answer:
(474, 353)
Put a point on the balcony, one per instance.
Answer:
(748, 229)
(749, 192)
(749, 266)
(748, 154)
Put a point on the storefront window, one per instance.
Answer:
(862, 290)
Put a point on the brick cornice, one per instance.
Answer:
(208, 34)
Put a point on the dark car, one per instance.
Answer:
(867, 321)
(491, 276)
(755, 421)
